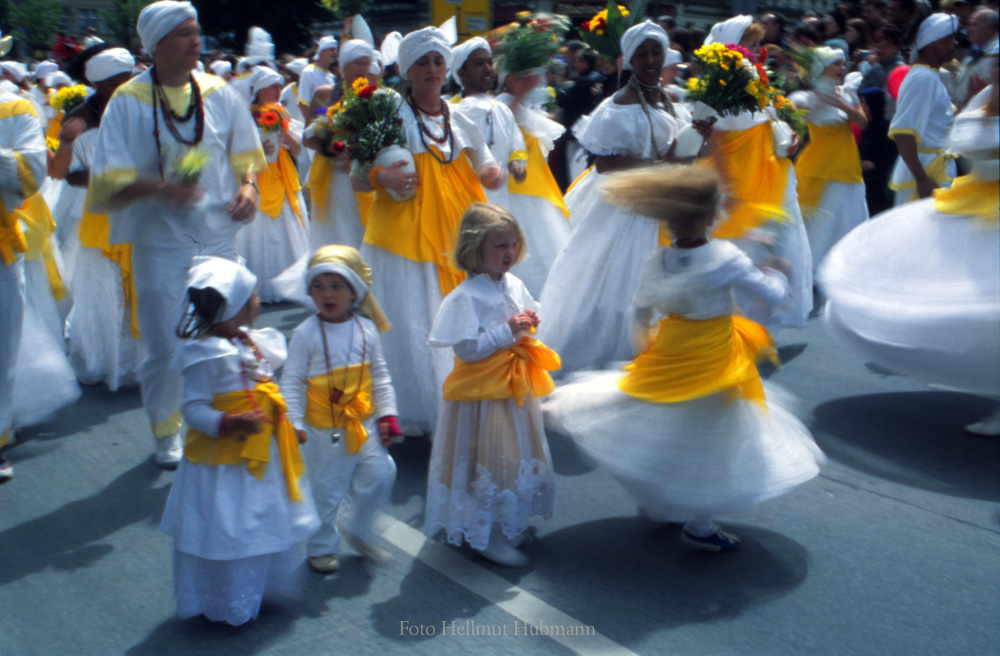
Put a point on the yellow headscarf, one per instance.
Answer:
(346, 261)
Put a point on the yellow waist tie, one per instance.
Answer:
(539, 181)
(354, 409)
(424, 228)
(254, 450)
(514, 373)
(36, 216)
(320, 180)
(365, 200)
(278, 180)
(580, 177)
(692, 359)
(970, 196)
(832, 155)
(12, 239)
(936, 169)
(754, 176)
(94, 233)
(55, 127)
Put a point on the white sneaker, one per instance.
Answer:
(504, 553)
(324, 564)
(169, 451)
(988, 427)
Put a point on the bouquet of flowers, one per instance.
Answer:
(345, 8)
(272, 120)
(187, 168)
(530, 43)
(69, 98)
(604, 31)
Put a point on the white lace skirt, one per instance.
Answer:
(490, 464)
(270, 245)
(546, 232)
(690, 460)
(588, 294)
(99, 327)
(340, 222)
(841, 209)
(918, 292)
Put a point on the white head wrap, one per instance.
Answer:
(45, 69)
(823, 57)
(634, 37)
(221, 67)
(325, 43)
(350, 275)
(729, 31)
(935, 27)
(417, 44)
(297, 65)
(263, 77)
(461, 53)
(390, 48)
(376, 67)
(259, 44)
(17, 69)
(109, 63)
(159, 19)
(58, 79)
(360, 30)
(234, 281)
(355, 49)
(672, 58)
(247, 63)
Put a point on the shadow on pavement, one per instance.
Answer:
(913, 438)
(64, 539)
(567, 460)
(412, 457)
(199, 636)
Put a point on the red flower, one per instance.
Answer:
(337, 147)
(367, 91)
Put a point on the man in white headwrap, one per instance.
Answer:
(729, 31)
(148, 126)
(222, 68)
(317, 74)
(924, 115)
(23, 161)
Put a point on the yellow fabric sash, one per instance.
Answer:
(94, 233)
(36, 216)
(356, 408)
(365, 201)
(539, 181)
(12, 239)
(693, 359)
(579, 177)
(970, 196)
(254, 450)
(55, 127)
(320, 180)
(424, 228)
(508, 373)
(936, 169)
(278, 180)
(754, 176)
(831, 155)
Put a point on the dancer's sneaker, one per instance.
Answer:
(169, 451)
(717, 542)
(324, 564)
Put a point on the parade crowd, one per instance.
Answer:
(600, 247)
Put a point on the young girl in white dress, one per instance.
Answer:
(686, 428)
(238, 508)
(335, 365)
(490, 469)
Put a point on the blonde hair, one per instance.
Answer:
(477, 222)
(753, 32)
(679, 195)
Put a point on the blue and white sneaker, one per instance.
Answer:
(717, 542)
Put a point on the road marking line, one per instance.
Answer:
(502, 593)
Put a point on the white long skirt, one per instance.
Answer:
(589, 290)
(690, 460)
(272, 244)
(490, 464)
(841, 209)
(340, 222)
(235, 537)
(99, 327)
(410, 295)
(67, 212)
(918, 292)
(546, 232)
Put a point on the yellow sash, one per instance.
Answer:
(320, 180)
(514, 373)
(424, 228)
(692, 359)
(539, 181)
(12, 239)
(831, 155)
(354, 409)
(254, 450)
(365, 201)
(278, 180)
(936, 169)
(55, 127)
(754, 176)
(94, 233)
(36, 216)
(970, 196)
(580, 177)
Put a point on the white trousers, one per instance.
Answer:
(364, 478)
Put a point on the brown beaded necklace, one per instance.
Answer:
(195, 108)
(446, 136)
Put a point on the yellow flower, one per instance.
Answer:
(359, 84)
(722, 82)
(523, 15)
(53, 144)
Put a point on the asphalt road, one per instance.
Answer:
(892, 550)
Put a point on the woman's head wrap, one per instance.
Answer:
(346, 261)
(159, 19)
(263, 77)
(934, 28)
(45, 69)
(234, 281)
(15, 68)
(58, 79)
(390, 48)
(636, 35)
(355, 49)
(297, 65)
(108, 63)
(221, 67)
(461, 53)
(823, 58)
(417, 44)
(325, 43)
(729, 31)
